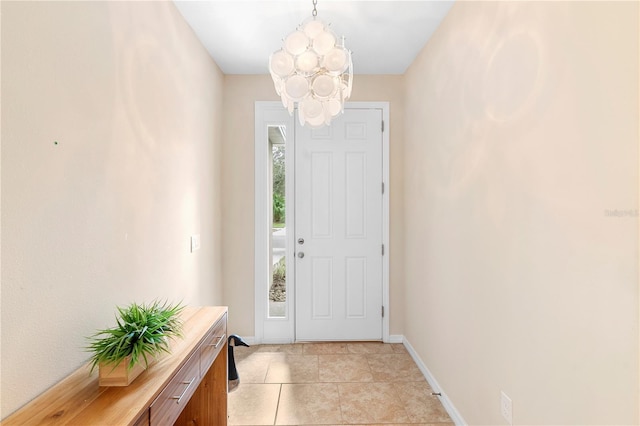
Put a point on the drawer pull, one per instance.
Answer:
(220, 340)
(178, 398)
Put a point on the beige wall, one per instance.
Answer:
(521, 133)
(103, 218)
(241, 92)
(512, 134)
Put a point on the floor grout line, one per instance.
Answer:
(397, 384)
(342, 420)
(275, 418)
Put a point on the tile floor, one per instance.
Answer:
(332, 384)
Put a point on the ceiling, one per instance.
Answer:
(384, 36)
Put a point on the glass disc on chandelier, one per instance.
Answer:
(313, 69)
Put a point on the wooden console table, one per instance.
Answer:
(186, 387)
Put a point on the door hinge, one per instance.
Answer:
(383, 311)
(383, 249)
(382, 126)
(383, 187)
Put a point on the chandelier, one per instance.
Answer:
(313, 70)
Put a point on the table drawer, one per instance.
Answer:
(172, 400)
(143, 420)
(213, 344)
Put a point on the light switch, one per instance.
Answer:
(195, 242)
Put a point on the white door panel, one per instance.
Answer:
(339, 215)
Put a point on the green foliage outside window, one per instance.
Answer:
(278, 208)
(278, 183)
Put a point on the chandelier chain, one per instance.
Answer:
(315, 11)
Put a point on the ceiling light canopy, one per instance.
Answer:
(313, 70)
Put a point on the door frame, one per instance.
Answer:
(272, 113)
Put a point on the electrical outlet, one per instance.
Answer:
(506, 407)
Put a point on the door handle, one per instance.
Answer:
(300, 254)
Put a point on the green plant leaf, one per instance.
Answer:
(142, 332)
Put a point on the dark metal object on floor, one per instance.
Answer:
(234, 380)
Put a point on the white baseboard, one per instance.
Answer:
(253, 341)
(250, 340)
(396, 338)
(446, 402)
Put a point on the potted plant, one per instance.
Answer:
(143, 331)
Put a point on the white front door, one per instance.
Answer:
(339, 229)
